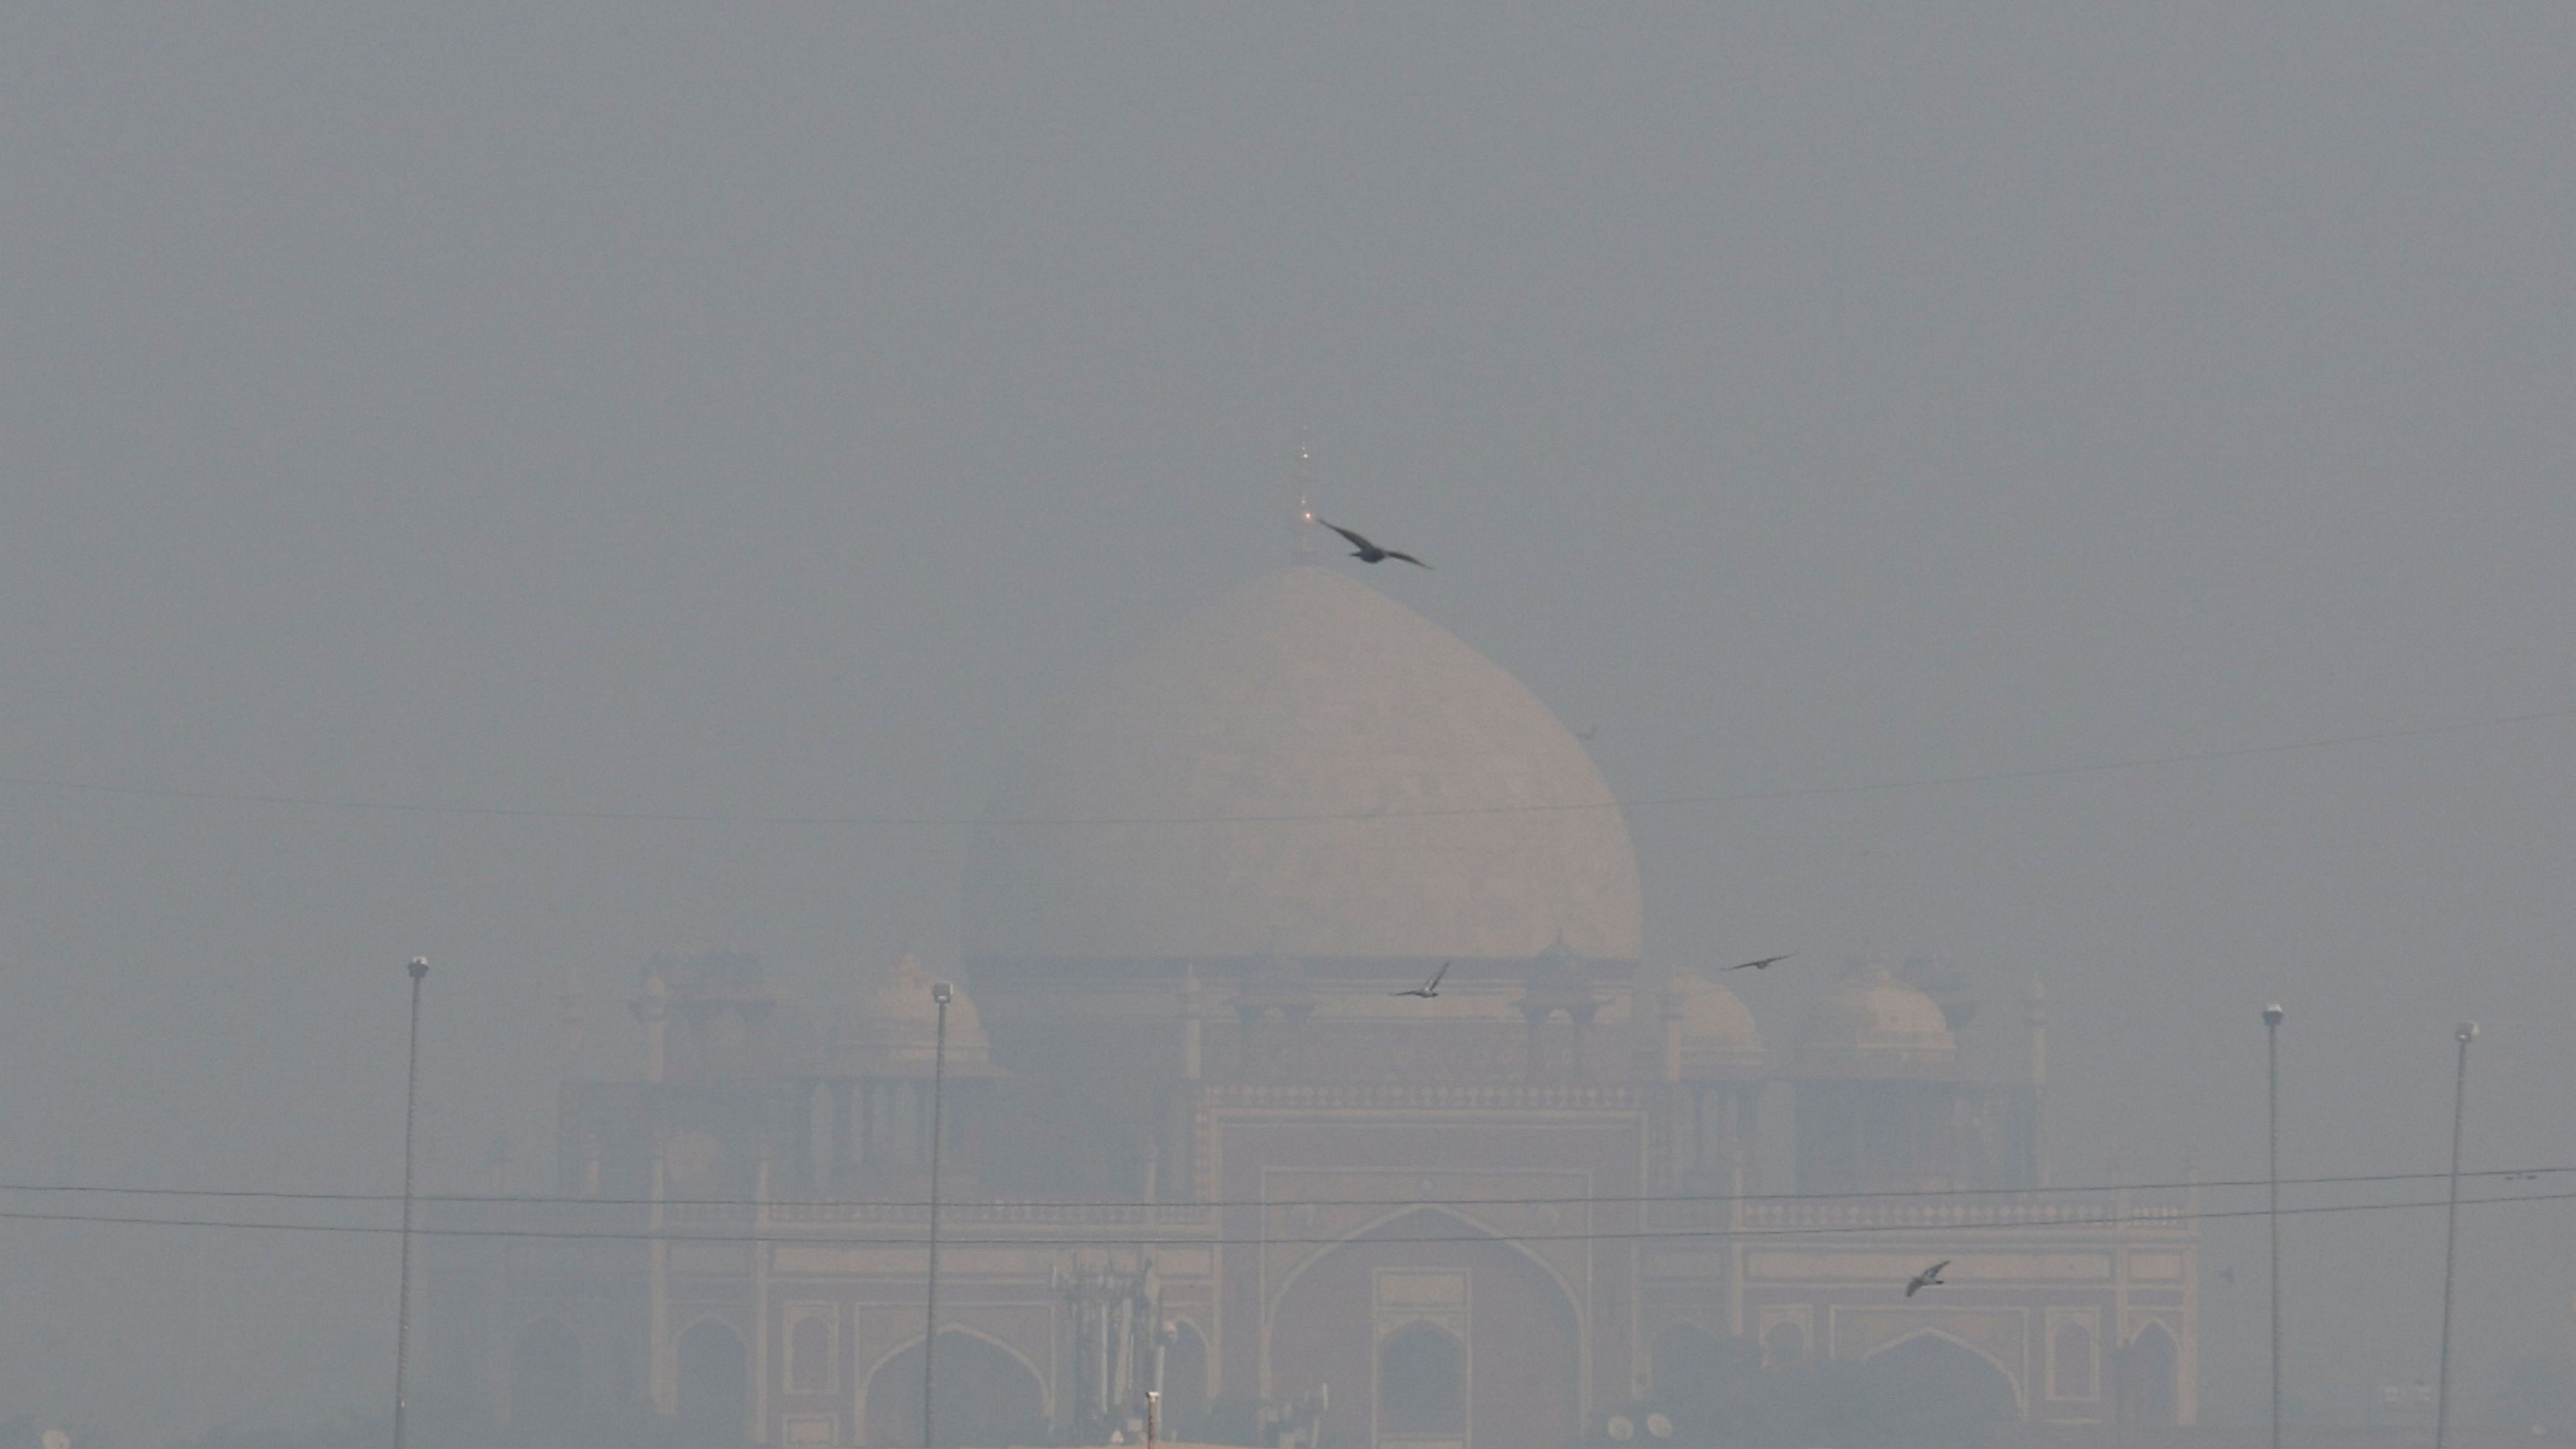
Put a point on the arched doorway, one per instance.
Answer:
(1934, 1392)
(1784, 1345)
(1517, 1340)
(1688, 1363)
(1421, 1382)
(986, 1396)
(2070, 1362)
(715, 1388)
(545, 1383)
(2145, 1381)
(1185, 1381)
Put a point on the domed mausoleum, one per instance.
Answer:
(1299, 800)
(1305, 1067)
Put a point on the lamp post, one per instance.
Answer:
(940, 992)
(2465, 1033)
(402, 1298)
(2272, 1015)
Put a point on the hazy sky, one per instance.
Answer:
(779, 412)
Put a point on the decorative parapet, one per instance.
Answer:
(2165, 1217)
(1717, 1215)
(1464, 1097)
(991, 1214)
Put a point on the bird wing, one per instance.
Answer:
(1356, 540)
(1933, 1273)
(1436, 975)
(1408, 558)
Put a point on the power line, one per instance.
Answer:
(1079, 1204)
(1641, 802)
(2147, 1218)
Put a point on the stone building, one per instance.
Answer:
(1193, 1138)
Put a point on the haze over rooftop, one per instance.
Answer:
(743, 416)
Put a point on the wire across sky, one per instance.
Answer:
(2505, 1174)
(1912, 1230)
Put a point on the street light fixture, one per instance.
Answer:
(940, 992)
(2465, 1033)
(2272, 1015)
(402, 1298)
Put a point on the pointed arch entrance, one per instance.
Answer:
(1463, 1340)
(1934, 1392)
(2146, 1379)
(1185, 1379)
(986, 1396)
(715, 1387)
(1422, 1382)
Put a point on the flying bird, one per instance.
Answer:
(1367, 552)
(1929, 1277)
(1765, 964)
(1427, 989)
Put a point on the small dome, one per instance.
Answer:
(1719, 1038)
(894, 1029)
(1873, 1025)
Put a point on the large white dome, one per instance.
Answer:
(1303, 769)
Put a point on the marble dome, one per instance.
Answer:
(1303, 769)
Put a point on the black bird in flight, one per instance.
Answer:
(1367, 552)
(1427, 989)
(1929, 1277)
(1765, 964)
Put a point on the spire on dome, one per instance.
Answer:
(1301, 520)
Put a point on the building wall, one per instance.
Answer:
(1361, 1220)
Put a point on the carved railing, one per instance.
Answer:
(1495, 1096)
(993, 1214)
(2102, 1212)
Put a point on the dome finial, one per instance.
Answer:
(1301, 521)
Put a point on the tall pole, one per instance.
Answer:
(2272, 1062)
(402, 1297)
(930, 1311)
(2466, 1033)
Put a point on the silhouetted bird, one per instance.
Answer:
(1765, 964)
(1427, 989)
(1928, 1278)
(1367, 552)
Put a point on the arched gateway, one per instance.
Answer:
(1430, 1330)
(986, 1397)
